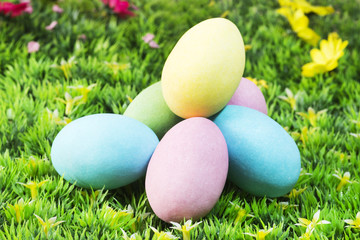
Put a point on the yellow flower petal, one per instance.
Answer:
(311, 69)
(309, 36)
(317, 56)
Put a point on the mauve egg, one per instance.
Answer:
(264, 160)
(103, 150)
(187, 172)
(249, 95)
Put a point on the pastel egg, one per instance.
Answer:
(263, 158)
(150, 108)
(103, 150)
(249, 95)
(204, 69)
(187, 172)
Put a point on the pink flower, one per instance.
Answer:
(57, 9)
(153, 44)
(29, 8)
(121, 8)
(148, 38)
(51, 25)
(13, 9)
(33, 47)
(82, 37)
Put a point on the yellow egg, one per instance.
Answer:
(204, 69)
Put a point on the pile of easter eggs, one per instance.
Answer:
(212, 125)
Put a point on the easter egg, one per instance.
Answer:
(263, 158)
(249, 95)
(187, 172)
(204, 69)
(103, 150)
(150, 108)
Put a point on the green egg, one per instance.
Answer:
(150, 108)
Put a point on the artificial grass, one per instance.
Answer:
(30, 83)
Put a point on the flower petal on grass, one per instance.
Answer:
(148, 37)
(57, 9)
(33, 47)
(51, 25)
(153, 44)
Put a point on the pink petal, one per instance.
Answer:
(57, 9)
(148, 37)
(51, 25)
(113, 3)
(29, 8)
(33, 46)
(82, 37)
(153, 44)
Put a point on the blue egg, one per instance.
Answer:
(103, 150)
(263, 158)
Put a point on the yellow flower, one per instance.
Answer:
(129, 98)
(241, 213)
(70, 102)
(299, 22)
(84, 91)
(225, 14)
(116, 67)
(284, 205)
(163, 235)
(248, 47)
(211, 3)
(260, 83)
(307, 234)
(342, 156)
(261, 234)
(295, 193)
(185, 229)
(313, 223)
(306, 7)
(304, 134)
(290, 98)
(312, 116)
(33, 186)
(65, 66)
(345, 179)
(48, 224)
(54, 116)
(18, 209)
(354, 223)
(325, 59)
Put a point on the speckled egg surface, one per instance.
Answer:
(150, 108)
(249, 95)
(103, 150)
(204, 69)
(187, 171)
(263, 158)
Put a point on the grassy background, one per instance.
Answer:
(29, 84)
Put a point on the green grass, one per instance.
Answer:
(29, 84)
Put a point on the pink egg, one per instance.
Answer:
(187, 172)
(249, 95)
